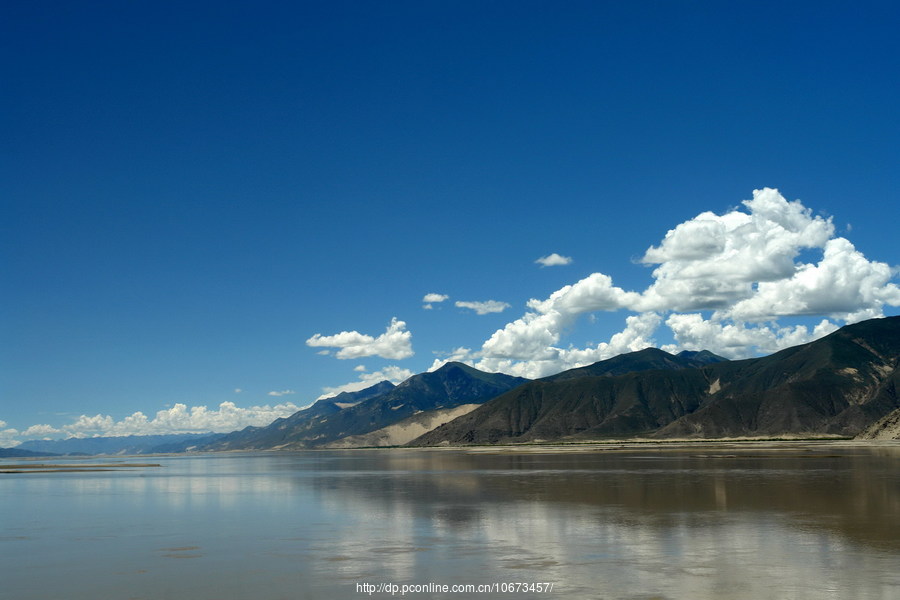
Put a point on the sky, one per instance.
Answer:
(214, 213)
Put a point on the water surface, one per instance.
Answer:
(687, 522)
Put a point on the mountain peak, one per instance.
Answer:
(455, 365)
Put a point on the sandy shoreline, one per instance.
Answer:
(57, 464)
(75, 468)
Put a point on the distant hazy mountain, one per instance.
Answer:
(838, 385)
(19, 453)
(129, 444)
(448, 387)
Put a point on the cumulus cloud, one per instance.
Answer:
(844, 285)
(40, 431)
(391, 373)
(767, 260)
(484, 308)
(553, 260)
(737, 340)
(713, 261)
(395, 343)
(282, 393)
(534, 335)
(9, 437)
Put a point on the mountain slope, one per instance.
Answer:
(839, 384)
(886, 428)
(404, 431)
(836, 385)
(282, 431)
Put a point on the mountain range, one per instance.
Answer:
(838, 385)
(128, 444)
(843, 385)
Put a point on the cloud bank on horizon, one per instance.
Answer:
(725, 283)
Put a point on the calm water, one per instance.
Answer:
(810, 521)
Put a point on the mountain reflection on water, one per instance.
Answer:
(688, 521)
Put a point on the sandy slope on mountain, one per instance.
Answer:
(406, 430)
(886, 428)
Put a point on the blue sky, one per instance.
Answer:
(198, 198)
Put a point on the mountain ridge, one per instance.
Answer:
(836, 385)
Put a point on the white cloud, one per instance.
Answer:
(282, 393)
(40, 431)
(238, 390)
(843, 285)
(180, 419)
(460, 354)
(395, 343)
(9, 437)
(712, 261)
(392, 373)
(435, 297)
(553, 260)
(534, 335)
(431, 299)
(484, 308)
(737, 340)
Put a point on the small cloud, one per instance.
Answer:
(431, 299)
(395, 343)
(484, 308)
(360, 368)
(40, 431)
(282, 393)
(238, 390)
(554, 260)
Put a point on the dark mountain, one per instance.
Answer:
(126, 444)
(19, 453)
(450, 386)
(285, 430)
(837, 385)
(647, 359)
(700, 357)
